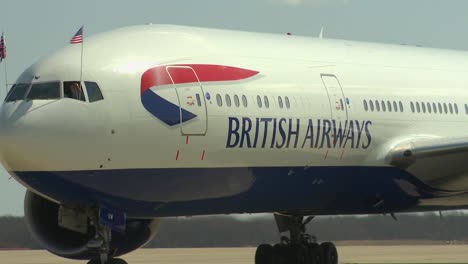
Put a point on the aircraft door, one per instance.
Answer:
(336, 97)
(192, 105)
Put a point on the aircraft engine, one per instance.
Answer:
(73, 237)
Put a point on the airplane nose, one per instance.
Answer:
(20, 134)
(24, 135)
(50, 136)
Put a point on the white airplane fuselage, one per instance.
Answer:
(199, 121)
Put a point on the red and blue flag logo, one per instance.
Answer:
(152, 81)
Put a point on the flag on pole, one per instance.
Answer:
(78, 37)
(2, 47)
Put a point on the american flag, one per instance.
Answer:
(2, 48)
(78, 37)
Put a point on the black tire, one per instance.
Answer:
(295, 254)
(94, 261)
(117, 261)
(315, 253)
(281, 254)
(110, 261)
(264, 254)
(329, 253)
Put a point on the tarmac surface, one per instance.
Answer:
(348, 254)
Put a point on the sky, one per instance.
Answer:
(35, 28)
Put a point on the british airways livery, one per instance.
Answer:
(181, 121)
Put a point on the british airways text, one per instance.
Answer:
(281, 133)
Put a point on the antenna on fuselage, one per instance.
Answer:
(321, 33)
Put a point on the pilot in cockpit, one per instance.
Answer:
(73, 90)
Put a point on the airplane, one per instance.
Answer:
(160, 121)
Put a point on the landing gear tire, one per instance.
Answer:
(264, 254)
(94, 261)
(311, 253)
(281, 254)
(298, 248)
(329, 253)
(109, 261)
(299, 254)
(315, 253)
(118, 261)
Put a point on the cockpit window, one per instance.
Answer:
(73, 90)
(44, 91)
(94, 93)
(17, 92)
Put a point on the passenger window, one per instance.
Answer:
(73, 90)
(401, 107)
(366, 107)
(412, 107)
(389, 106)
(236, 100)
(95, 94)
(377, 106)
(456, 108)
(286, 101)
(383, 107)
(440, 109)
(429, 108)
(244, 100)
(445, 108)
(197, 96)
(418, 108)
(280, 102)
(259, 101)
(17, 92)
(228, 100)
(395, 106)
(44, 91)
(371, 104)
(219, 100)
(267, 103)
(451, 108)
(423, 106)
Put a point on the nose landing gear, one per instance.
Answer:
(101, 243)
(299, 248)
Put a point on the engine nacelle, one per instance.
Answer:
(42, 219)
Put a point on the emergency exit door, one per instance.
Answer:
(192, 105)
(338, 102)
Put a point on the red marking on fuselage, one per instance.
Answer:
(206, 73)
(203, 155)
(326, 154)
(186, 140)
(177, 155)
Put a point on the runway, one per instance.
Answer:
(348, 254)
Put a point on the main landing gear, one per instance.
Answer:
(101, 244)
(299, 248)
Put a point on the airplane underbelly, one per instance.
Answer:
(177, 192)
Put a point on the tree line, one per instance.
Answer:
(224, 231)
